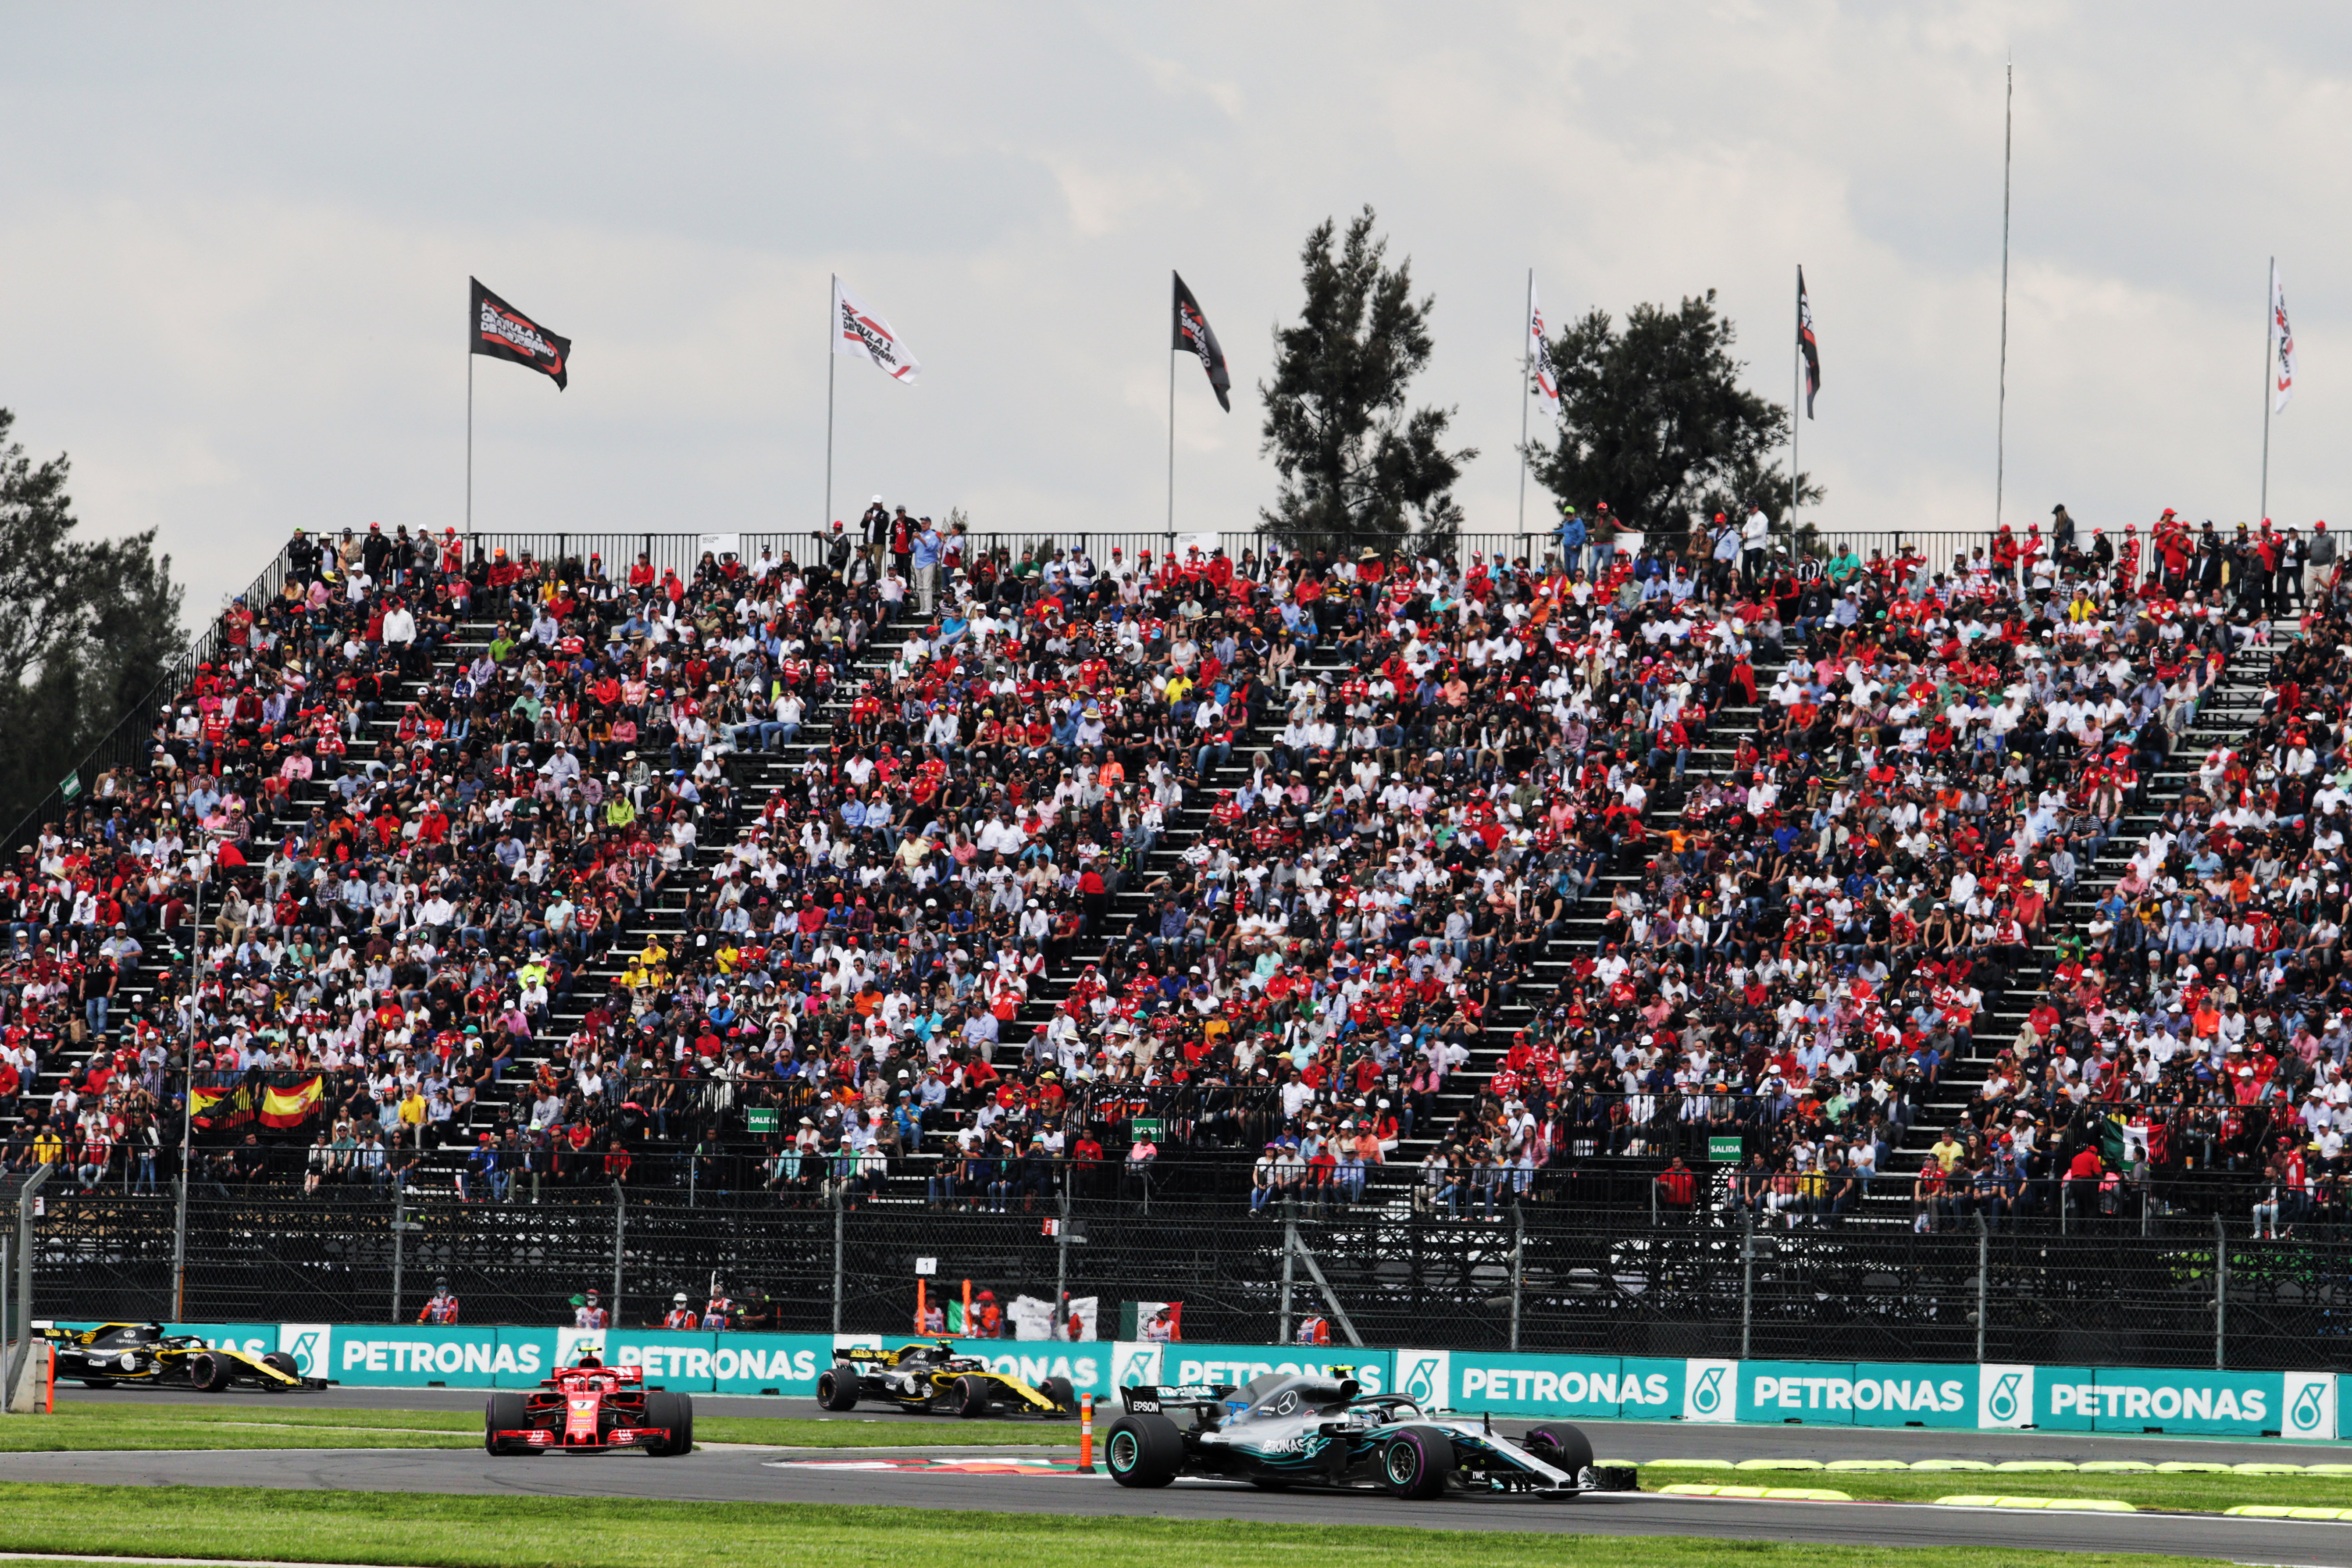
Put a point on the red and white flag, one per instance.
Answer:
(861, 334)
(1542, 378)
(2282, 340)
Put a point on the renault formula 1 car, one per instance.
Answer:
(1284, 1429)
(139, 1353)
(930, 1377)
(590, 1409)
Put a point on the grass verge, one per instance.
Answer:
(289, 1426)
(2205, 1492)
(432, 1530)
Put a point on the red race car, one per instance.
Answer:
(590, 1409)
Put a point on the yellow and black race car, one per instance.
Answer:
(932, 1377)
(143, 1353)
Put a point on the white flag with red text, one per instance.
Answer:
(861, 334)
(2282, 340)
(1545, 381)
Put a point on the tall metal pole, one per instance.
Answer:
(469, 440)
(1984, 1293)
(1062, 1251)
(195, 986)
(832, 346)
(620, 1236)
(1289, 1253)
(1518, 1266)
(1171, 449)
(1526, 371)
(2000, 416)
(1796, 396)
(2220, 1293)
(399, 1240)
(2269, 333)
(837, 1266)
(1747, 1277)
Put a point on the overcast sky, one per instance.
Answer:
(237, 240)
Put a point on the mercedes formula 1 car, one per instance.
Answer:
(930, 1377)
(590, 1409)
(1284, 1429)
(140, 1353)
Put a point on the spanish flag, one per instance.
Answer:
(219, 1108)
(291, 1107)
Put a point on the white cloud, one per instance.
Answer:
(238, 242)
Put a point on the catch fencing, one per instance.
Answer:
(1534, 1279)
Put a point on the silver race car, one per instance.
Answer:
(1286, 1429)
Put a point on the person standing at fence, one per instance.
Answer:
(926, 560)
(682, 1315)
(443, 1307)
(587, 1312)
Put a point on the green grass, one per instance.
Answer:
(285, 1424)
(2209, 1493)
(432, 1530)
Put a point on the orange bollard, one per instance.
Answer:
(1086, 1433)
(967, 1309)
(918, 1306)
(51, 1408)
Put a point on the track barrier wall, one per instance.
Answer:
(2293, 1404)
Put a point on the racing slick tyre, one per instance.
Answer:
(504, 1412)
(836, 1390)
(1416, 1462)
(973, 1397)
(1143, 1450)
(1561, 1447)
(283, 1363)
(208, 1373)
(1065, 1397)
(673, 1413)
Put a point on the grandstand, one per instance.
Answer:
(1356, 878)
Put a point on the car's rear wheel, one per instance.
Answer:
(504, 1412)
(1143, 1450)
(208, 1373)
(1561, 1447)
(1416, 1462)
(1065, 1397)
(973, 1398)
(836, 1390)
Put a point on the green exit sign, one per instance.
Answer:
(1725, 1147)
(761, 1119)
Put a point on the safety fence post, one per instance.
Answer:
(620, 1234)
(1984, 1272)
(28, 1198)
(1289, 1252)
(836, 1264)
(1062, 1265)
(2220, 1293)
(1518, 1266)
(1747, 1277)
(399, 1241)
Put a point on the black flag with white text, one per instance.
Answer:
(501, 331)
(1805, 344)
(1194, 336)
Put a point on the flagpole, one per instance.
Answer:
(833, 292)
(1171, 450)
(1526, 371)
(1796, 392)
(2001, 410)
(469, 439)
(2270, 332)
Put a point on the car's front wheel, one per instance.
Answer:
(673, 1413)
(836, 1390)
(1416, 1462)
(1143, 1450)
(1561, 1447)
(504, 1412)
(1065, 1397)
(973, 1397)
(209, 1373)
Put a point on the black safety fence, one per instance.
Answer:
(1534, 1276)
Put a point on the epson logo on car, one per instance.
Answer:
(2162, 1402)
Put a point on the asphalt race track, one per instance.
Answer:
(750, 1474)
(766, 1475)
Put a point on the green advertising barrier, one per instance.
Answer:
(1814, 1393)
(422, 1356)
(1589, 1388)
(2233, 1404)
(1236, 1364)
(1905, 1394)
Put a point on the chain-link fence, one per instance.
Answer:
(1537, 1278)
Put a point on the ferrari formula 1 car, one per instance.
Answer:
(140, 1353)
(1283, 1429)
(930, 1377)
(590, 1409)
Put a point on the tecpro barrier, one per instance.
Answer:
(2293, 1404)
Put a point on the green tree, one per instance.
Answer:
(1654, 421)
(1359, 468)
(89, 629)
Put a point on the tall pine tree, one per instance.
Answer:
(1359, 469)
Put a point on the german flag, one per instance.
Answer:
(294, 1105)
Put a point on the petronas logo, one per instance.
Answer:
(2309, 1409)
(1707, 1397)
(1421, 1381)
(2002, 1403)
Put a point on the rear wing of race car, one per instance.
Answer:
(1152, 1398)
